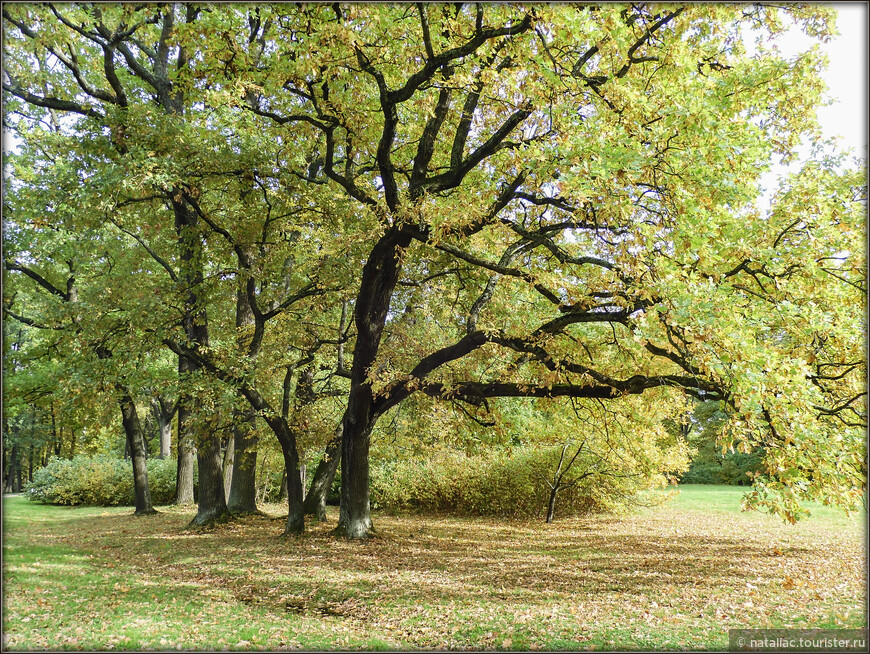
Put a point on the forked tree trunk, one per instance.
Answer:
(324, 475)
(135, 442)
(551, 504)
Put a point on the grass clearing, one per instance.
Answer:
(672, 577)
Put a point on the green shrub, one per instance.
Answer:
(502, 484)
(717, 468)
(161, 479)
(100, 481)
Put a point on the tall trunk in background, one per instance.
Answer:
(13, 472)
(163, 411)
(185, 452)
(324, 474)
(243, 488)
(136, 444)
(19, 472)
(56, 440)
(228, 464)
(211, 500)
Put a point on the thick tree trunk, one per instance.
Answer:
(136, 444)
(379, 277)
(211, 501)
(324, 474)
(295, 515)
(185, 452)
(243, 489)
(355, 511)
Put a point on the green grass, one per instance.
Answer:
(672, 577)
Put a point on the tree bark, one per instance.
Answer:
(136, 444)
(211, 499)
(551, 505)
(324, 474)
(163, 411)
(13, 472)
(379, 277)
(243, 488)
(229, 453)
(295, 515)
(185, 453)
(211, 502)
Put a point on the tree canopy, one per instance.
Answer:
(357, 204)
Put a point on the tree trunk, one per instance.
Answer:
(243, 489)
(57, 441)
(551, 505)
(136, 444)
(13, 472)
(229, 454)
(185, 452)
(295, 515)
(324, 474)
(282, 492)
(163, 411)
(379, 277)
(355, 511)
(211, 501)
(19, 471)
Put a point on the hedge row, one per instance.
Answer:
(100, 481)
(501, 484)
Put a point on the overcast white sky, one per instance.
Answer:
(847, 77)
(846, 119)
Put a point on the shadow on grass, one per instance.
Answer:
(422, 559)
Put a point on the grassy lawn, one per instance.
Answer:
(672, 577)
